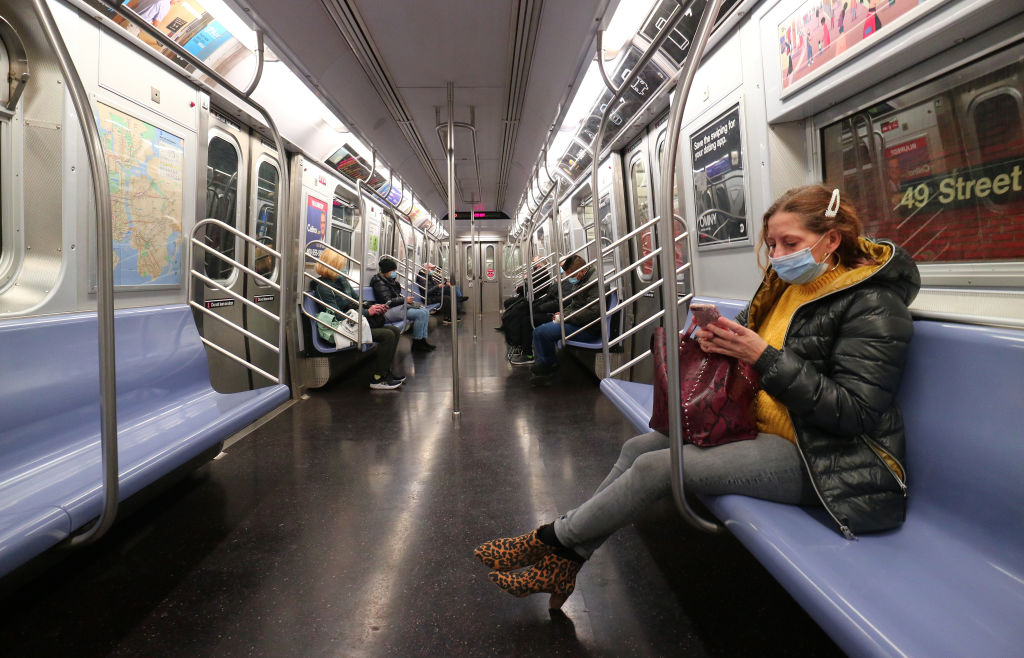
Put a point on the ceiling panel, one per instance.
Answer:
(421, 46)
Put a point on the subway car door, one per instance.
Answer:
(264, 188)
(640, 204)
(226, 174)
(480, 275)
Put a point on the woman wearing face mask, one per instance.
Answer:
(547, 335)
(828, 331)
(387, 290)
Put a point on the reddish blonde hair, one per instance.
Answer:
(809, 203)
(335, 259)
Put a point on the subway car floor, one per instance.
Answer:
(345, 526)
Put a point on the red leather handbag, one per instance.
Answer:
(716, 394)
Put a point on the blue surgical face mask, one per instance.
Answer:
(573, 280)
(800, 267)
(393, 274)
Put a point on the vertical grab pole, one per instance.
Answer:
(104, 276)
(666, 240)
(450, 152)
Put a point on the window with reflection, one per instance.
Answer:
(342, 221)
(939, 169)
(470, 260)
(489, 270)
(221, 203)
(265, 227)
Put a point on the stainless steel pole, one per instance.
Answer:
(450, 152)
(666, 240)
(104, 275)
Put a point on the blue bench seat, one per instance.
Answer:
(168, 414)
(950, 581)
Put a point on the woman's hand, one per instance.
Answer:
(377, 309)
(410, 299)
(723, 336)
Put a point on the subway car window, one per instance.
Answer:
(342, 222)
(267, 180)
(221, 202)
(940, 168)
(470, 259)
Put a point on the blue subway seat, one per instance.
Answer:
(168, 414)
(368, 295)
(596, 345)
(950, 581)
(312, 307)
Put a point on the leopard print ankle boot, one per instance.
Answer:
(553, 574)
(510, 553)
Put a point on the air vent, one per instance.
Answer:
(526, 23)
(353, 29)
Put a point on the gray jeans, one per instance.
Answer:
(767, 467)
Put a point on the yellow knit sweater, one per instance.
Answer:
(772, 416)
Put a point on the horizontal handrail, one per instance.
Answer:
(633, 266)
(234, 263)
(637, 295)
(195, 275)
(239, 360)
(626, 366)
(310, 277)
(231, 325)
(342, 326)
(251, 240)
(231, 293)
(632, 330)
(629, 235)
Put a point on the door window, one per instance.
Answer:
(221, 203)
(267, 181)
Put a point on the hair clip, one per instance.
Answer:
(833, 205)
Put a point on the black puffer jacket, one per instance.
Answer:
(838, 373)
(584, 316)
(387, 290)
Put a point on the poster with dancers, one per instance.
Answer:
(821, 34)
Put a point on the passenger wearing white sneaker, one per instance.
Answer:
(521, 359)
(384, 383)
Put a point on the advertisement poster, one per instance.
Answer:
(718, 180)
(373, 213)
(821, 34)
(316, 224)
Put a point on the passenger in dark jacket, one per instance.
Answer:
(519, 319)
(580, 310)
(387, 290)
(334, 290)
(828, 331)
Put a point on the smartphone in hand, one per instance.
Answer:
(704, 314)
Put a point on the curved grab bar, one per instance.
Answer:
(667, 260)
(104, 277)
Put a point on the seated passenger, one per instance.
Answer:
(828, 331)
(546, 336)
(516, 321)
(437, 290)
(387, 290)
(331, 288)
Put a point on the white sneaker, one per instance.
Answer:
(384, 383)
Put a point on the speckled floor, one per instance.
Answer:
(345, 527)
